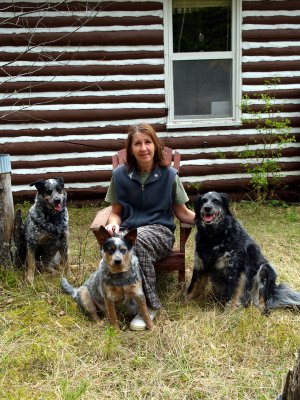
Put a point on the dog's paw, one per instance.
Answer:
(150, 325)
(231, 306)
(185, 298)
(266, 311)
(52, 271)
(29, 278)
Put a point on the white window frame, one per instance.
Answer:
(234, 55)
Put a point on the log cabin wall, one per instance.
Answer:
(74, 75)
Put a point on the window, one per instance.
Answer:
(202, 65)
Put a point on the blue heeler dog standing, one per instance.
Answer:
(46, 229)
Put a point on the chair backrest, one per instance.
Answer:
(172, 159)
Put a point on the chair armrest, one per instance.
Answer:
(184, 233)
(100, 219)
(186, 225)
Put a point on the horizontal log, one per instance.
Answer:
(268, 5)
(61, 147)
(129, 69)
(68, 115)
(70, 177)
(215, 141)
(276, 108)
(96, 194)
(261, 35)
(77, 21)
(136, 98)
(67, 99)
(272, 20)
(240, 185)
(216, 155)
(293, 122)
(28, 116)
(262, 80)
(106, 160)
(42, 86)
(105, 176)
(272, 51)
(81, 55)
(265, 66)
(90, 6)
(277, 93)
(116, 38)
(63, 162)
(217, 169)
(120, 128)
(77, 146)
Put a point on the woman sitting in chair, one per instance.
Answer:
(145, 194)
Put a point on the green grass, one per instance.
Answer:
(49, 350)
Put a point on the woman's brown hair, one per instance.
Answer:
(159, 146)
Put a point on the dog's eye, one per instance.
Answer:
(123, 250)
(111, 249)
(59, 190)
(48, 191)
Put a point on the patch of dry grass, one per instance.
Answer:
(49, 350)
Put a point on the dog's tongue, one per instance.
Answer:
(58, 207)
(208, 217)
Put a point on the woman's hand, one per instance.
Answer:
(112, 228)
(114, 220)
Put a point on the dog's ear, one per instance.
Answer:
(131, 236)
(103, 235)
(225, 202)
(197, 203)
(40, 184)
(60, 181)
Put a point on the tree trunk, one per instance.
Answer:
(291, 389)
(6, 212)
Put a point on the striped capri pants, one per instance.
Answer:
(154, 242)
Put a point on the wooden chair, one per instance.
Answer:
(176, 260)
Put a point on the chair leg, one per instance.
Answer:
(181, 275)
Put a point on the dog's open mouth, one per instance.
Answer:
(58, 207)
(208, 218)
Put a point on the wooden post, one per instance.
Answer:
(6, 211)
(291, 390)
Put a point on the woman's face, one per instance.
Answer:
(143, 149)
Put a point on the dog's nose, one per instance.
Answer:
(117, 261)
(207, 208)
(57, 201)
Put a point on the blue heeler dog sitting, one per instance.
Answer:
(117, 280)
(46, 229)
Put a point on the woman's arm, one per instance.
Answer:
(114, 220)
(184, 214)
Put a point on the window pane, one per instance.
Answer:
(201, 25)
(202, 89)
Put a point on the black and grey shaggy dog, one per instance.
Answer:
(227, 256)
(46, 228)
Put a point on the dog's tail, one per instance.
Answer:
(68, 288)
(274, 295)
(283, 296)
